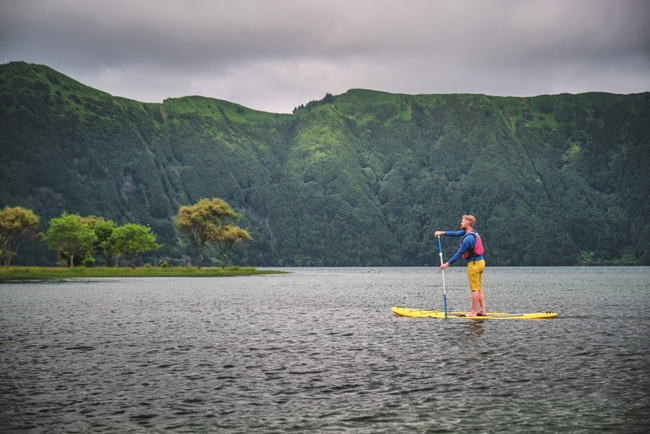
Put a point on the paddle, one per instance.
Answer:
(444, 289)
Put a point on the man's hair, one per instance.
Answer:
(471, 219)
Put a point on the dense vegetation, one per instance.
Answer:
(362, 178)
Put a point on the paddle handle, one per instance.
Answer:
(444, 289)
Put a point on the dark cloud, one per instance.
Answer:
(274, 55)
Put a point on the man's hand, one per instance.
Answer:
(445, 265)
(438, 233)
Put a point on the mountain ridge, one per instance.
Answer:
(361, 178)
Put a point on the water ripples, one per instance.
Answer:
(320, 350)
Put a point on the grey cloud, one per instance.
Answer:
(301, 49)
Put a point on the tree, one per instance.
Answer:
(131, 240)
(103, 229)
(70, 235)
(17, 226)
(226, 238)
(201, 221)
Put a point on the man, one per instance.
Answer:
(471, 248)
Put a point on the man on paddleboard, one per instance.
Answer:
(471, 248)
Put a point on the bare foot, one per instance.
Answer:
(482, 313)
(470, 314)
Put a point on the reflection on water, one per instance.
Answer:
(320, 350)
(476, 327)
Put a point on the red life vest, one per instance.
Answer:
(478, 248)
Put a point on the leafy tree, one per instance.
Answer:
(17, 226)
(103, 229)
(70, 235)
(201, 222)
(226, 238)
(130, 241)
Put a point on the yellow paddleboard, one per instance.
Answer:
(419, 313)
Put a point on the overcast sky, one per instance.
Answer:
(274, 55)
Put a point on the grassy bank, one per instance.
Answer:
(60, 273)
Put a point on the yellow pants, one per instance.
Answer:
(475, 271)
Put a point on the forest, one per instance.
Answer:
(363, 178)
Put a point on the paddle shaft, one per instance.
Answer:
(444, 289)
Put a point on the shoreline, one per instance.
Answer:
(27, 272)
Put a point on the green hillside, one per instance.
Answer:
(358, 179)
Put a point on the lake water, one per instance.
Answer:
(320, 350)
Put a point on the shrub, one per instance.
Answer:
(88, 261)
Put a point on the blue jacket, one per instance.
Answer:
(466, 244)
